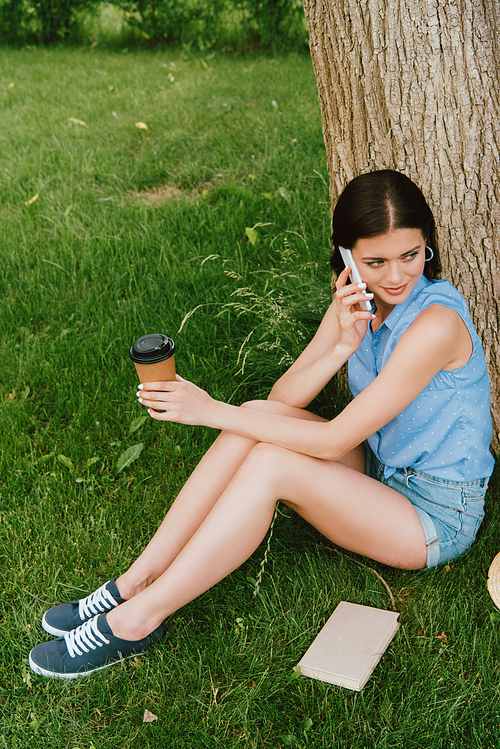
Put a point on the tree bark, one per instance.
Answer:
(413, 85)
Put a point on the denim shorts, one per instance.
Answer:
(450, 511)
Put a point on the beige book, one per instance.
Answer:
(350, 645)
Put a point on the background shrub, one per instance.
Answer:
(275, 25)
(45, 21)
(175, 21)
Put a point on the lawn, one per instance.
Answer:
(210, 222)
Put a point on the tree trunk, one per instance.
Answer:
(413, 85)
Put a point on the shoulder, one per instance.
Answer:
(441, 332)
(437, 318)
(444, 293)
(434, 323)
(439, 308)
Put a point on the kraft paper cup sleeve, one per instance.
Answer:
(494, 580)
(164, 370)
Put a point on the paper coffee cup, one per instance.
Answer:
(153, 356)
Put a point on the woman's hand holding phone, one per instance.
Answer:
(353, 320)
(355, 276)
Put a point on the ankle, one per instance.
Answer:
(128, 628)
(129, 586)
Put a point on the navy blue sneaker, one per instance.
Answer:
(67, 616)
(90, 647)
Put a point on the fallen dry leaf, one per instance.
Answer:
(77, 122)
(32, 200)
(442, 636)
(141, 125)
(149, 717)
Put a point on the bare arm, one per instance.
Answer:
(314, 368)
(428, 345)
(339, 335)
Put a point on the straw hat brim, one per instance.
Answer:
(494, 580)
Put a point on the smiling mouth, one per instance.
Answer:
(396, 290)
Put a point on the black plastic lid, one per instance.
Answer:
(151, 349)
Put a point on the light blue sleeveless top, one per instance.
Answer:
(446, 431)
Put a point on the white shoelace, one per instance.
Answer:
(84, 638)
(96, 603)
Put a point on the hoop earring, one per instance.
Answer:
(431, 251)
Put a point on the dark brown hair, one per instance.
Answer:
(375, 203)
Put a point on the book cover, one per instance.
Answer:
(350, 645)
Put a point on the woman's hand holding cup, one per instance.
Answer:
(179, 401)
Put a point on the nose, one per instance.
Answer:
(394, 276)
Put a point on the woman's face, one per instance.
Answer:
(391, 264)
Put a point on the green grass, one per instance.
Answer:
(94, 262)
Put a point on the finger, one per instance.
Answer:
(352, 299)
(152, 399)
(145, 401)
(351, 288)
(362, 315)
(159, 415)
(342, 278)
(166, 385)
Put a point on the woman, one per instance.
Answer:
(399, 475)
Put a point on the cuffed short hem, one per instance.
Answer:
(431, 537)
(450, 512)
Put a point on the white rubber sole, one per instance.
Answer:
(53, 630)
(75, 675)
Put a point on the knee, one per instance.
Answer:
(265, 469)
(267, 459)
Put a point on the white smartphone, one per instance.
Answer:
(369, 305)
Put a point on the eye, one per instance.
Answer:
(375, 263)
(411, 256)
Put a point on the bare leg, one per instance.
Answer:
(346, 506)
(194, 502)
